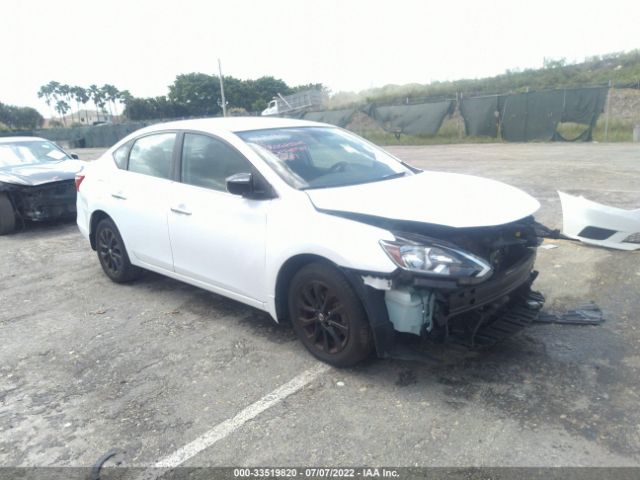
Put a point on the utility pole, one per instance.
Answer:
(459, 111)
(224, 102)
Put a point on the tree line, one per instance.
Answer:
(190, 95)
(19, 118)
(198, 95)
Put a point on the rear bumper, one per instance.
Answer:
(83, 218)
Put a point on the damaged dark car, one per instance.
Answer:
(37, 182)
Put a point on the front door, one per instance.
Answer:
(216, 237)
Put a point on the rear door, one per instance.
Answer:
(139, 198)
(217, 238)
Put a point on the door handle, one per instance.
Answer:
(119, 196)
(181, 209)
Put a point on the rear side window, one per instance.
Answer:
(152, 154)
(121, 154)
(207, 162)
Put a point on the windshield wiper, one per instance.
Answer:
(390, 176)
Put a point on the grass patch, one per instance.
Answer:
(619, 130)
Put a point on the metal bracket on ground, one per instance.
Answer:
(586, 314)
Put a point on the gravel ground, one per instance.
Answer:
(87, 365)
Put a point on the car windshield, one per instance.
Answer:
(321, 157)
(29, 152)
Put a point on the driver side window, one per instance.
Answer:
(208, 162)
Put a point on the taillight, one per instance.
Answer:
(79, 179)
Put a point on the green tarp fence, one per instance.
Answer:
(102, 135)
(419, 119)
(98, 136)
(584, 107)
(530, 116)
(340, 118)
(74, 136)
(480, 116)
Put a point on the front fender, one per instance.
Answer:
(346, 243)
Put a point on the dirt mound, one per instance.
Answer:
(364, 124)
(625, 104)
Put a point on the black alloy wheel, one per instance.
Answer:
(319, 312)
(112, 253)
(328, 316)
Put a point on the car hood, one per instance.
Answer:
(37, 174)
(437, 198)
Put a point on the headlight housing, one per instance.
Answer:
(435, 259)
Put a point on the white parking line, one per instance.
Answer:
(230, 425)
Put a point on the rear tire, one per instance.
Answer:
(328, 316)
(7, 215)
(112, 253)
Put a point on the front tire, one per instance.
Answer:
(112, 253)
(328, 316)
(7, 215)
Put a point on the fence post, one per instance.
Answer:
(458, 97)
(608, 112)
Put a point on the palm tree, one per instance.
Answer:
(65, 92)
(125, 98)
(106, 91)
(45, 92)
(62, 108)
(81, 97)
(96, 97)
(51, 93)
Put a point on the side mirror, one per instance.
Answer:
(74, 156)
(240, 184)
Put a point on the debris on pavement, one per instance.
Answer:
(95, 470)
(585, 314)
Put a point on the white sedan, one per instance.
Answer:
(318, 227)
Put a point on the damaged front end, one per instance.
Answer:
(468, 285)
(42, 202)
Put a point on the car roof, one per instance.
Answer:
(21, 139)
(235, 124)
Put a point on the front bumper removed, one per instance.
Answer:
(44, 202)
(485, 314)
(476, 316)
(487, 326)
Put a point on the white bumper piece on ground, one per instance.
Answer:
(598, 224)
